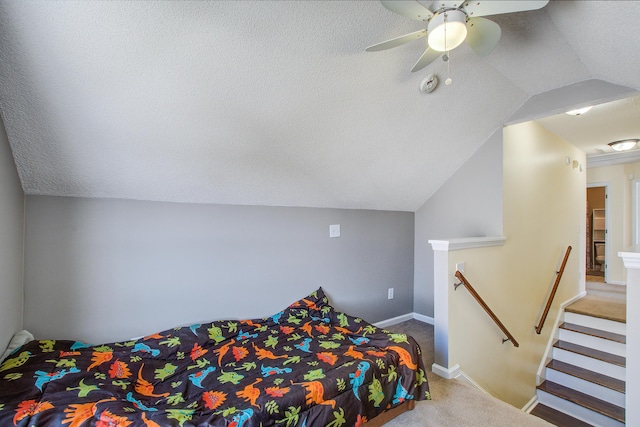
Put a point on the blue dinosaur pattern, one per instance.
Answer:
(304, 345)
(44, 377)
(144, 348)
(197, 378)
(357, 378)
(299, 360)
(273, 370)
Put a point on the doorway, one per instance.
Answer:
(597, 248)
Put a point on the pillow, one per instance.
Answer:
(18, 340)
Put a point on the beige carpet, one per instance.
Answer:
(598, 306)
(455, 403)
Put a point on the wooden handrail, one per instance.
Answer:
(553, 291)
(484, 305)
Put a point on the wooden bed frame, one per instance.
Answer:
(387, 416)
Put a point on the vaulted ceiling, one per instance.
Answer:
(274, 102)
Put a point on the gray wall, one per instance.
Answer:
(11, 244)
(101, 270)
(469, 204)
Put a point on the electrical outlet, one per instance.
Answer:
(390, 293)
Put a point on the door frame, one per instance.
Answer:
(607, 248)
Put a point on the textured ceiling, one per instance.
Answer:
(604, 123)
(274, 102)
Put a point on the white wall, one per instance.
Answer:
(101, 270)
(11, 243)
(544, 207)
(618, 179)
(469, 204)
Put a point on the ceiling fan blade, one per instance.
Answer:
(482, 35)
(427, 58)
(409, 8)
(486, 8)
(397, 41)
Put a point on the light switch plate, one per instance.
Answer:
(334, 230)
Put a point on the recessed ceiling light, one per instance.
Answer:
(623, 145)
(578, 111)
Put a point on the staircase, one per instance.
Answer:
(585, 380)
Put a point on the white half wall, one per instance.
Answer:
(544, 210)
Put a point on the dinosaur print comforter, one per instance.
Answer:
(308, 365)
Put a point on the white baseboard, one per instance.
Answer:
(393, 320)
(530, 405)
(399, 319)
(446, 373)
(424, 319)
(456, 373)
(466, 378)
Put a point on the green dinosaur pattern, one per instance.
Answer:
(306, 365)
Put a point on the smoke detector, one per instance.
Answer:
(429, 83)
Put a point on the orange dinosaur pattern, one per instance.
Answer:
(277, 391)
(304, 365)
(100, 357)
(213, 399)
(78, 413)
(250, 393)
(308, 329)
(327, 357)
(28, 408)
(405, 357)
(315, 394)
(224, 349)
(197, 351)
(145, 388)
(119, 369)
(323, 329)
(239, 353)
(354, 353)
(147, 422)
(262, 353)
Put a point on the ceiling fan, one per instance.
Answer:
(449, 23)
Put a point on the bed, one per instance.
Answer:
(308, 365)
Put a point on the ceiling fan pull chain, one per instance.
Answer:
(446, 57)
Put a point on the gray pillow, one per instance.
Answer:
(19, 339)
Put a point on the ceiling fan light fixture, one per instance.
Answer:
(447, 30)
(624, 144)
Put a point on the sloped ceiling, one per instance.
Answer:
(274, 102)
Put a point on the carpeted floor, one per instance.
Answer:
(454, 402)
(605, 307)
